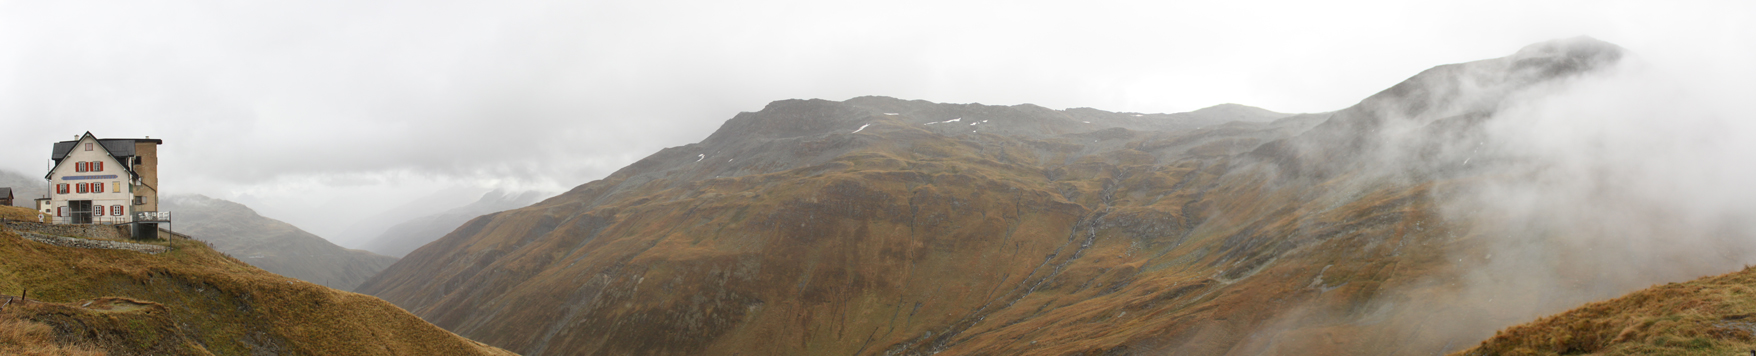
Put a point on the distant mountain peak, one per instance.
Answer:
(1580, 47)
(1240, 112)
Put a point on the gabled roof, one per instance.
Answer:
(61, 152)
(5, 192)
(118, 147)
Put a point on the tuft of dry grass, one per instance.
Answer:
(26, 338)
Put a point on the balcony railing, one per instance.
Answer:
(152, 216)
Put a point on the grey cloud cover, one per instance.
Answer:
(321, 113)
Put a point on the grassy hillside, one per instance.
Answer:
(193, 300)
(272, 244)
(1709, 316)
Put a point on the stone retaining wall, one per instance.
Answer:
(90, 243)
(111, 232)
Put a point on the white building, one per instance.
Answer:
(103, 181)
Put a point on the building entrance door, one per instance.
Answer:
(81, 211)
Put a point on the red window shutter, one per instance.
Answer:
(78, 166)
(58, 210)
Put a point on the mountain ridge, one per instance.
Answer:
(886, 226)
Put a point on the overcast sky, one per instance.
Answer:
(323, 113)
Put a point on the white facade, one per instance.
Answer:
(90, 175)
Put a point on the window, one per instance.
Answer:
(78, 166)
(116, 210)
(82, 188)
(139, 200)
(61, 188)
(97, 187)
(100, 166)
(97, 210)
(88, 146)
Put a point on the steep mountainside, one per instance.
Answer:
(190, 300)
(401, 238)
(883, 226)
(25, 189)
(270, 244)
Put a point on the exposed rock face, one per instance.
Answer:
(884, 226)
(271, 244)
(402, 238)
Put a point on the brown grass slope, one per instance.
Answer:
(964, 229)
(193, 300)
(1713, 315)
